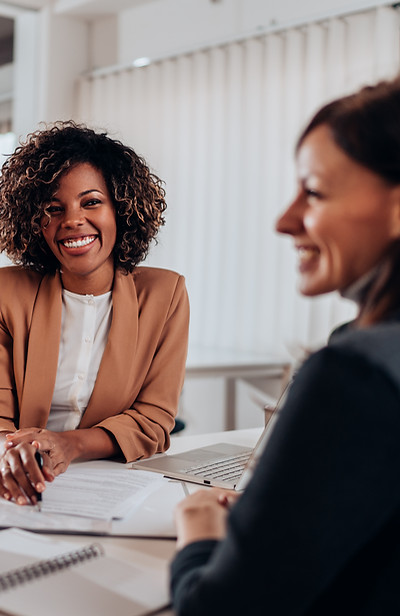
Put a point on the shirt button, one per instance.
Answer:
(91, 302)
(81, 377)
(88, 339)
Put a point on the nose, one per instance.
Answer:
(73, 217)
(291, 220)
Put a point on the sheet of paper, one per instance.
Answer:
(32, 519)
(98, 494)
(151, 516)
(156, 515)
(20, 541)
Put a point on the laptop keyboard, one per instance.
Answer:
(226, 468)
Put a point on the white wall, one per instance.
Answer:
(27, 72)
(103, 42)
(53, 49)
(6, 79)
(64, 53)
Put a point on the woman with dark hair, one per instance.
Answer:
(317, 530)
(92, 347)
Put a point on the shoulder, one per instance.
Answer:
(341, 329)
(337, 396)
(158, 282)
(378, 346)
(152, 288)
(145, 276)
(18, 278)
(19, 290)
(352, 377)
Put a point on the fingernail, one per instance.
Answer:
(39, 487)
(7, 496)
(21, 500)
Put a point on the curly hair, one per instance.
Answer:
(31, 176)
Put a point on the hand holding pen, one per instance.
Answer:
(203, 515)
(22, 476)
(39, 460)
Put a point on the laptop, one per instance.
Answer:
(223, 465)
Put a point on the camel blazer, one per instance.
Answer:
(136, 393)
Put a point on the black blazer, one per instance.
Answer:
(317, 531)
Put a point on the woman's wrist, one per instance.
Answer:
(91, 443)
(3, 441)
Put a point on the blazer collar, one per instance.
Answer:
(113, 385)
(42, 354)
(114, 377)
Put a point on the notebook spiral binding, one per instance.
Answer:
(46, 567)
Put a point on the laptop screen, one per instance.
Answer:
(262, 441)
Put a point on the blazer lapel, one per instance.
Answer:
(113, 387)
(42, 354)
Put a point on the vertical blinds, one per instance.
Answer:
(219, 126)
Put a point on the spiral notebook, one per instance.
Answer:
(70, 580)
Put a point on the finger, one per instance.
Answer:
(26, 474)
(11, 486)
(227, 499)
(23, 432)
(44, 441)
(34, 468)
(55, 461)
(44, 444)
(22, 471)
(59, 468)
(4, 493)
(26, 430)
(23, 436)
(48, 467)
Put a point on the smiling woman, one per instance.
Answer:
(335, 195)
(92, 347)
(317, 530)
(80, 229)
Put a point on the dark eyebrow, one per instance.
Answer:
(82, 194)
(86, 192)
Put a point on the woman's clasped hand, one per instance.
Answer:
(20, 476)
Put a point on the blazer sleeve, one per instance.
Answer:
(325, 488)
(8, 403)
(144, 429)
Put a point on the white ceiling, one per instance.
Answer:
(82, 7)
(24, 4)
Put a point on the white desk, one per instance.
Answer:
(127, 549)
(257, 369)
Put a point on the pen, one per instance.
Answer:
(185, 488)
(39, 460)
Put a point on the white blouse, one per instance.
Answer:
(85, 324)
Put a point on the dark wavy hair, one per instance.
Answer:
(366, 126)
(31, 175)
